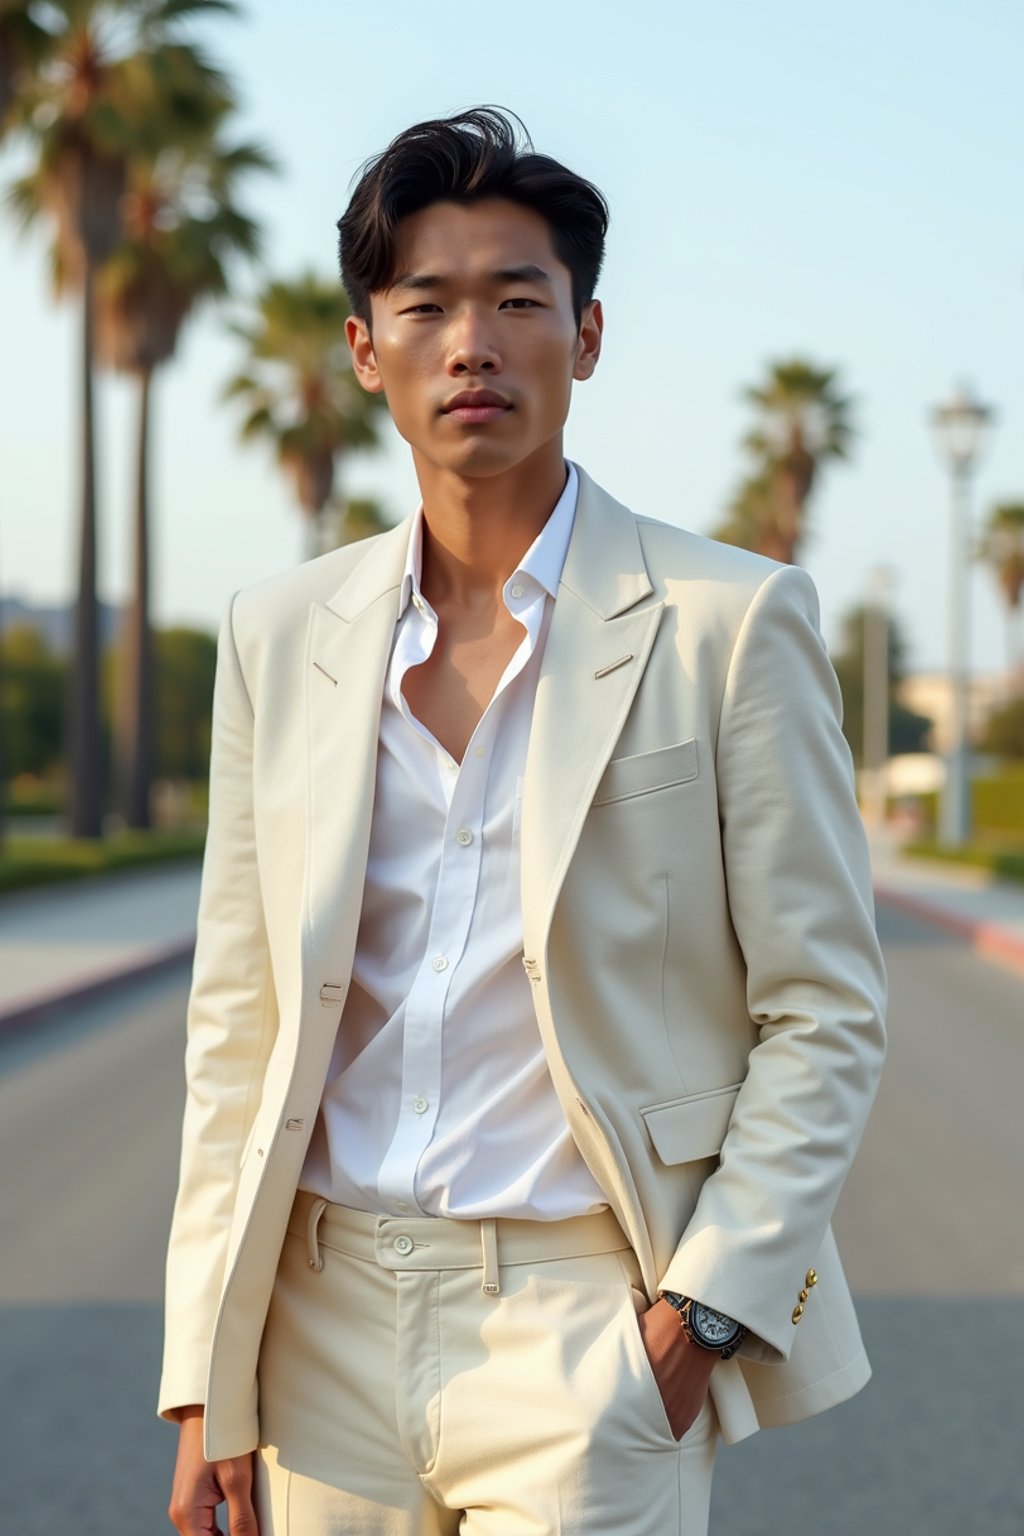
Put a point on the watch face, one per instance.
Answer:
(715, 1327)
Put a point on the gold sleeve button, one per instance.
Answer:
(798, 1313)
(804, 1295)
(812, 1277)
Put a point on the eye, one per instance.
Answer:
(418, 309)
(522, 301)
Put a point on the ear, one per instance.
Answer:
(364, 361)
(588, 345)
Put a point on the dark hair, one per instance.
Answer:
(462, 159)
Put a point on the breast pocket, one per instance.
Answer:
(646, 772)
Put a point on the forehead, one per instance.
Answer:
(466, 241)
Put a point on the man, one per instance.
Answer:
(537, 1005)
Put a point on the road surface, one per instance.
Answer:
(929, 1225)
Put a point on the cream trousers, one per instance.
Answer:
(424, 1376)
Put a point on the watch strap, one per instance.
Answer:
(684, 1305)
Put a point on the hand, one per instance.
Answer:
(200, 1485)
(681, 1368)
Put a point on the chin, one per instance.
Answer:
(477, 459)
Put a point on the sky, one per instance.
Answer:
(794, 179)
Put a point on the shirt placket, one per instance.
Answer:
(465, 790)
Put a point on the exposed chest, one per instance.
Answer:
(449, 691)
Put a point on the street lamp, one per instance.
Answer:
(960, 427)
(875, 739)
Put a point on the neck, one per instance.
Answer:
(476, 531)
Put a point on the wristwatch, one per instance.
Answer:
(706, 1327)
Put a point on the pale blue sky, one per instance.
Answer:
(785, 178)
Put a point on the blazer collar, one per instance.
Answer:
(379, 571)
(605, 564)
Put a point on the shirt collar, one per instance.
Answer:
(542, 562)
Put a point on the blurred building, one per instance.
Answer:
(931, 694)
(56, 624)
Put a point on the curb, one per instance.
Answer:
(985, 938)
(95, 984)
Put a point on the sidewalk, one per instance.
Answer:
(63, 943)
(970, 903)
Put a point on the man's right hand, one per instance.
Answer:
(200, 1485)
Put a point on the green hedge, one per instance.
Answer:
(1007, 862)
(997, 803)
(29, 861)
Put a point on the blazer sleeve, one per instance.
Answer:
(230, 1024)
(799, 888)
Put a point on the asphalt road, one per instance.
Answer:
(930, 1226)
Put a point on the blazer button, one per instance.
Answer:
(798, 1313)
(804, 1295)
(812, 1278)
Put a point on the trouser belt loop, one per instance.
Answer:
(316, 1210)
(489, 1242)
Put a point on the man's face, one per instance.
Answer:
(479, 301)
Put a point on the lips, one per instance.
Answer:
(476, 406)
(476, 400)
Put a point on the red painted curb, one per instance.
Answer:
(986, 938)
(102, 983)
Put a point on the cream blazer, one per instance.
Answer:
(698, 927)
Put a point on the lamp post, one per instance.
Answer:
(875, 752)
(960, 427)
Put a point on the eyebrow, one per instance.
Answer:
(419, 282)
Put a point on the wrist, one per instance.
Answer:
(698, 1358)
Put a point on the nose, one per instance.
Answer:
(472, 348)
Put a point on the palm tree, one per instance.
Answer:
(805, 421)
(349, 519)
(301, 393)
(1002, 548)
(751, 517)
(78, 108)
(182, 232)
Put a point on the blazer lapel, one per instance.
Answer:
(348, 645)
(601, 635)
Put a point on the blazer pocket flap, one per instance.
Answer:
(685, 1130)
(639, 775)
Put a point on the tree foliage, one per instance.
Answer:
(33, 683)
(298, 387)
(34, 679)
(804, 420)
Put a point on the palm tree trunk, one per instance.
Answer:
(86, 789)
(136, 754)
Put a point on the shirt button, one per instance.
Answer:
(464, 836)
(403, 1244)
(402, 1206)
(419, 1104)
(479, 751)
(518, 590)
(450, 762)
(440, 962)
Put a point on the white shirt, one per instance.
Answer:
(438, 1099)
